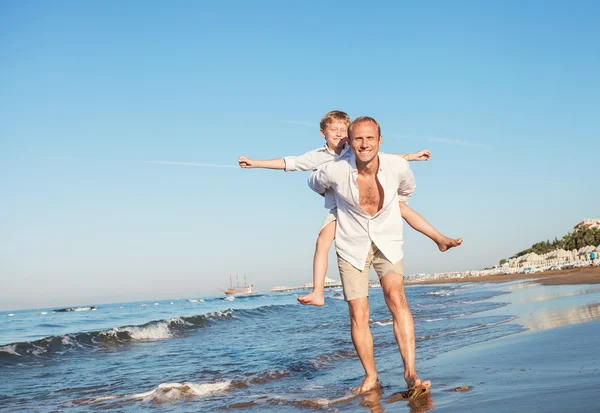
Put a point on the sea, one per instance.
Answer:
(255, 353)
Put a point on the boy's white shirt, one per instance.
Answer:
(315, 159)
(355, 228)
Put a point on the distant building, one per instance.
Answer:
(590, 223)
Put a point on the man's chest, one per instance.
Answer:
(370, 194)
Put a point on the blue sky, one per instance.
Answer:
(94, 95)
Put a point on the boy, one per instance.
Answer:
(334, 128)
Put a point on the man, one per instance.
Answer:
(367, 188)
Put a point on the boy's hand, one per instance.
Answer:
(423, 155)
(245, 162)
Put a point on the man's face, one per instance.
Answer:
(336, 134)
(365, 141)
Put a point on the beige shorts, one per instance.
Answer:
(331, 216)
(355, 283)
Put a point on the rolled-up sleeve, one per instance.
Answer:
(319, 181)
(407, 185)
(306, 162)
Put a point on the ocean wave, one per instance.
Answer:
(440, 293)
(166, 392)
(153, 330)
(382, 323)
(75, 309)
(466, 329)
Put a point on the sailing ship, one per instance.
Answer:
(246, 289)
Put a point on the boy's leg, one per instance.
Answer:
(317, 296)
(417, 222)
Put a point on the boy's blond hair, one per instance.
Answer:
(334, 116)
(364, 119)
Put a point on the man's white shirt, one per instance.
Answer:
(355, 228)
(315, 159)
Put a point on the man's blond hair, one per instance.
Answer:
(364, 119)
(334, 116)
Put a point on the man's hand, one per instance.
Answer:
(245, 162)
(423, 155)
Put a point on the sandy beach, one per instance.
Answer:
(554, 366)
(585, 275)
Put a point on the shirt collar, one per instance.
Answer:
(345, 149)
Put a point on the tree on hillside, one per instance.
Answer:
(581, 237)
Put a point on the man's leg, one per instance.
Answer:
(363, 342)
(356, 292)
(404, 327)
(317, 296)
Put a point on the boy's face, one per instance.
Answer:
(335, 134)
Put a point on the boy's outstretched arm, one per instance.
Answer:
(305, 162)
(422, 155)
(246, 162)
(418, 223)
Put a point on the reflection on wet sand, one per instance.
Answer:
(550, 293)
(546, 319)
(418, 405)
(372, 401)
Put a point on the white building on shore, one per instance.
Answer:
(589, 223)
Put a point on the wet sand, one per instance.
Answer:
(553, 366)
(585, 275)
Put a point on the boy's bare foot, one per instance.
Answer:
(446, 243)
(312, 299)
(368, 384)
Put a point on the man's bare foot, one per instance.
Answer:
(368, 384)
(414, 381)
(313, 298)
(446, 243)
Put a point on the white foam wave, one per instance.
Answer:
(159, 331)
(83, 309)
(383, 323)
(193, 301)
(37, 351)
(11, 315)
(10, 349)
(441, 293)
(229, 298)
(174, 391)
(434, 319)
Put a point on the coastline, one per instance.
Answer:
(583, 275)
(552, 366)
